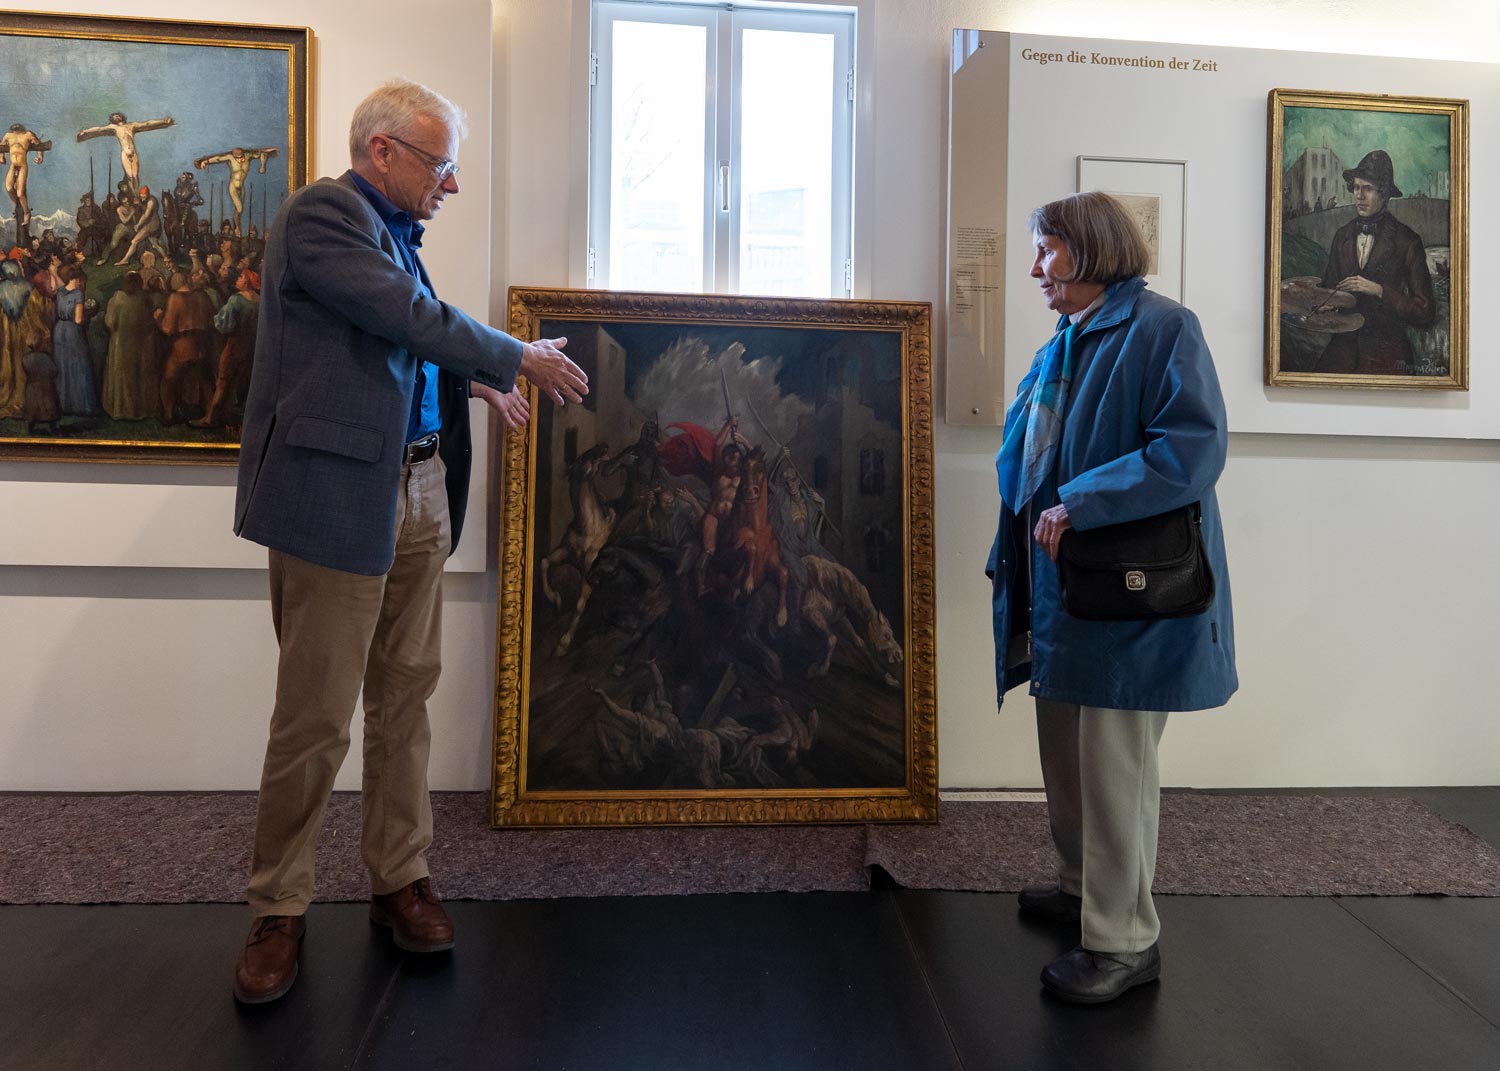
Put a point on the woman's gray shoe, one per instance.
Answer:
(1085, 977)
(1050, 903)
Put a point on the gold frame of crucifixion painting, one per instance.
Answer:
(717, 598)
(124, 133)
(1372, 296)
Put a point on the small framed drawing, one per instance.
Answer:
(1155, 193)
(1367, 241)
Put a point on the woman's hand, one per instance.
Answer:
(1049, 529)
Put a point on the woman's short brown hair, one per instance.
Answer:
(1104, 242)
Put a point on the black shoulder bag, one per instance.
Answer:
(1136, 571)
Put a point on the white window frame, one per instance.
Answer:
(724, 25)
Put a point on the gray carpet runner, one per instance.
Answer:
(195, 848)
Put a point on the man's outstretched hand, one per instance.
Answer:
(545, 364)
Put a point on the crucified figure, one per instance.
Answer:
(15, 144)
(238, 160)
(117, 127)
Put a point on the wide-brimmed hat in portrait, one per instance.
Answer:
(1376, 168)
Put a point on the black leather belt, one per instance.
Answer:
(421, 449)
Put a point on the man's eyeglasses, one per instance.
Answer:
(442, 169)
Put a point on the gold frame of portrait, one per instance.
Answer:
(1457, 112)
(513, 804)
(296, 42)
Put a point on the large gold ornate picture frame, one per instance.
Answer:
(146, 157)
(1367, 241)
(716, 574)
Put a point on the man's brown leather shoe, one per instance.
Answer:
(416, 919)
(268, 962)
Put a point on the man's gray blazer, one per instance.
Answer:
(342, 326)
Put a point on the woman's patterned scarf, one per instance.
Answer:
(1033, 424)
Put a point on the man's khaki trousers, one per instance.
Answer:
(340, 632)
(1104, 800)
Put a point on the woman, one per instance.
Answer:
(48, 281)
(1119, 418)
(77, 389)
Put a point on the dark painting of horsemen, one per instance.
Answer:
(144, 160)
(716, 570)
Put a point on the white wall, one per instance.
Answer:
(1364, 599)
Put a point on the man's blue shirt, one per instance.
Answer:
(408, 234)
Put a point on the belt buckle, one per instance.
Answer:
(421, 449)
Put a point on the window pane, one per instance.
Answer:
(657, 157)
(786, 163)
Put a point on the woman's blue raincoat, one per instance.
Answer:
(1144, 433)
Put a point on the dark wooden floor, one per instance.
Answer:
(898, 979)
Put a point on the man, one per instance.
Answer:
(187, 323)
(125, 133)
(238, 159)
(93, 230)
(149, 270)
(724, 488)
(126, 215)
(188, 197)
(639, 462)
(228, 243)
(799, 515)
(354, 471)
(148, 229)
(254, 246)
(170, 221)
(47, 246)
(1382, 262)
(674, 519)
(15, 144)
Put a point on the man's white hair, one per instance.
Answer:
(395, 108)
